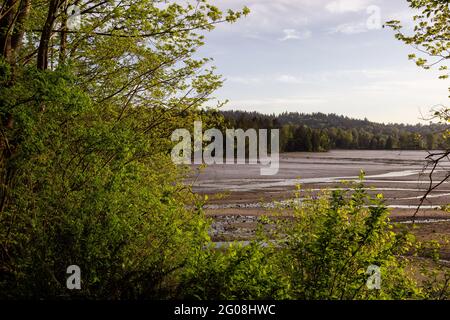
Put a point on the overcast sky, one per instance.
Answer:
(326, 56)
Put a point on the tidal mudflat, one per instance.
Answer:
(398, 175)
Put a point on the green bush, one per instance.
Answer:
(80, 192)
(235, 272)
(322, 250)
(333, 239)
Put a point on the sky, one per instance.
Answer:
(330, 56)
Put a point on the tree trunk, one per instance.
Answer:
(42, 58)
(19, 30)
(63, 39)
(9, 12)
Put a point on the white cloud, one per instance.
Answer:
(292, 34)
(352, 74)
(279, 102)
(342, 6)
(245, 80)
(405, 16)
(268, 16)
(376, 73)
(261, 79)
(349, 28)
(289, 79)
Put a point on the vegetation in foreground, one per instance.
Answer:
(322, 250)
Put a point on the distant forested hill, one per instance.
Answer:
(321, 132)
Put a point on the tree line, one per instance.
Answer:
(321, 132)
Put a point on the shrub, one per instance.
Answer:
(332, 240)
(322, 250)
(87, 191)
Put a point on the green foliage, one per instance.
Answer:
(431, 34)
(333, 240)
(320, 251)
(85, 171)
(81, 195)
(431, 38)
(235, 272)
